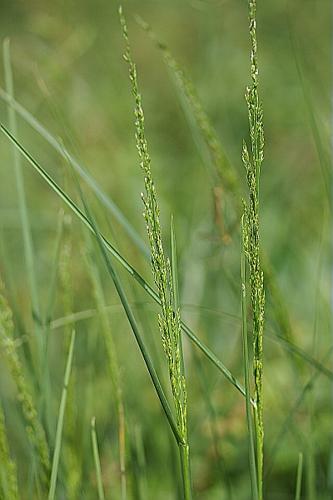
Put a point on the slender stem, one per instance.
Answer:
(97, 461)
(184, 452)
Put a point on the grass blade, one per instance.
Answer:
(97, 461)
(60, 424)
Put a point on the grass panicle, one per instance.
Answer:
(168, 318)
(252, 159)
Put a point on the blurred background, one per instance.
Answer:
(70, 74)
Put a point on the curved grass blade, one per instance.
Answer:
(78, 212)
(56, 454)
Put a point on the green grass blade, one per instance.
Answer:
(299, 477)
(97, 461)
(107, 202)
(60, 424)
(78, 212)
(24, 217)
(249, 417)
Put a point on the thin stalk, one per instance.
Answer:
(299, 477)
(184, 451)
(60, 424)
(130, 269)
(249, 417)
(97, 461)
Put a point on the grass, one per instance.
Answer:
(165, 330)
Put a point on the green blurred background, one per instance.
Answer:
(69, 72)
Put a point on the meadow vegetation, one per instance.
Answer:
(165, 251)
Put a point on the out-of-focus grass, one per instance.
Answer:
(68, 71)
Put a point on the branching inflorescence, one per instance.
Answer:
(169, 317)
(252, 160)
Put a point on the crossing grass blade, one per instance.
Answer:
(110, 248)
(60, 424)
